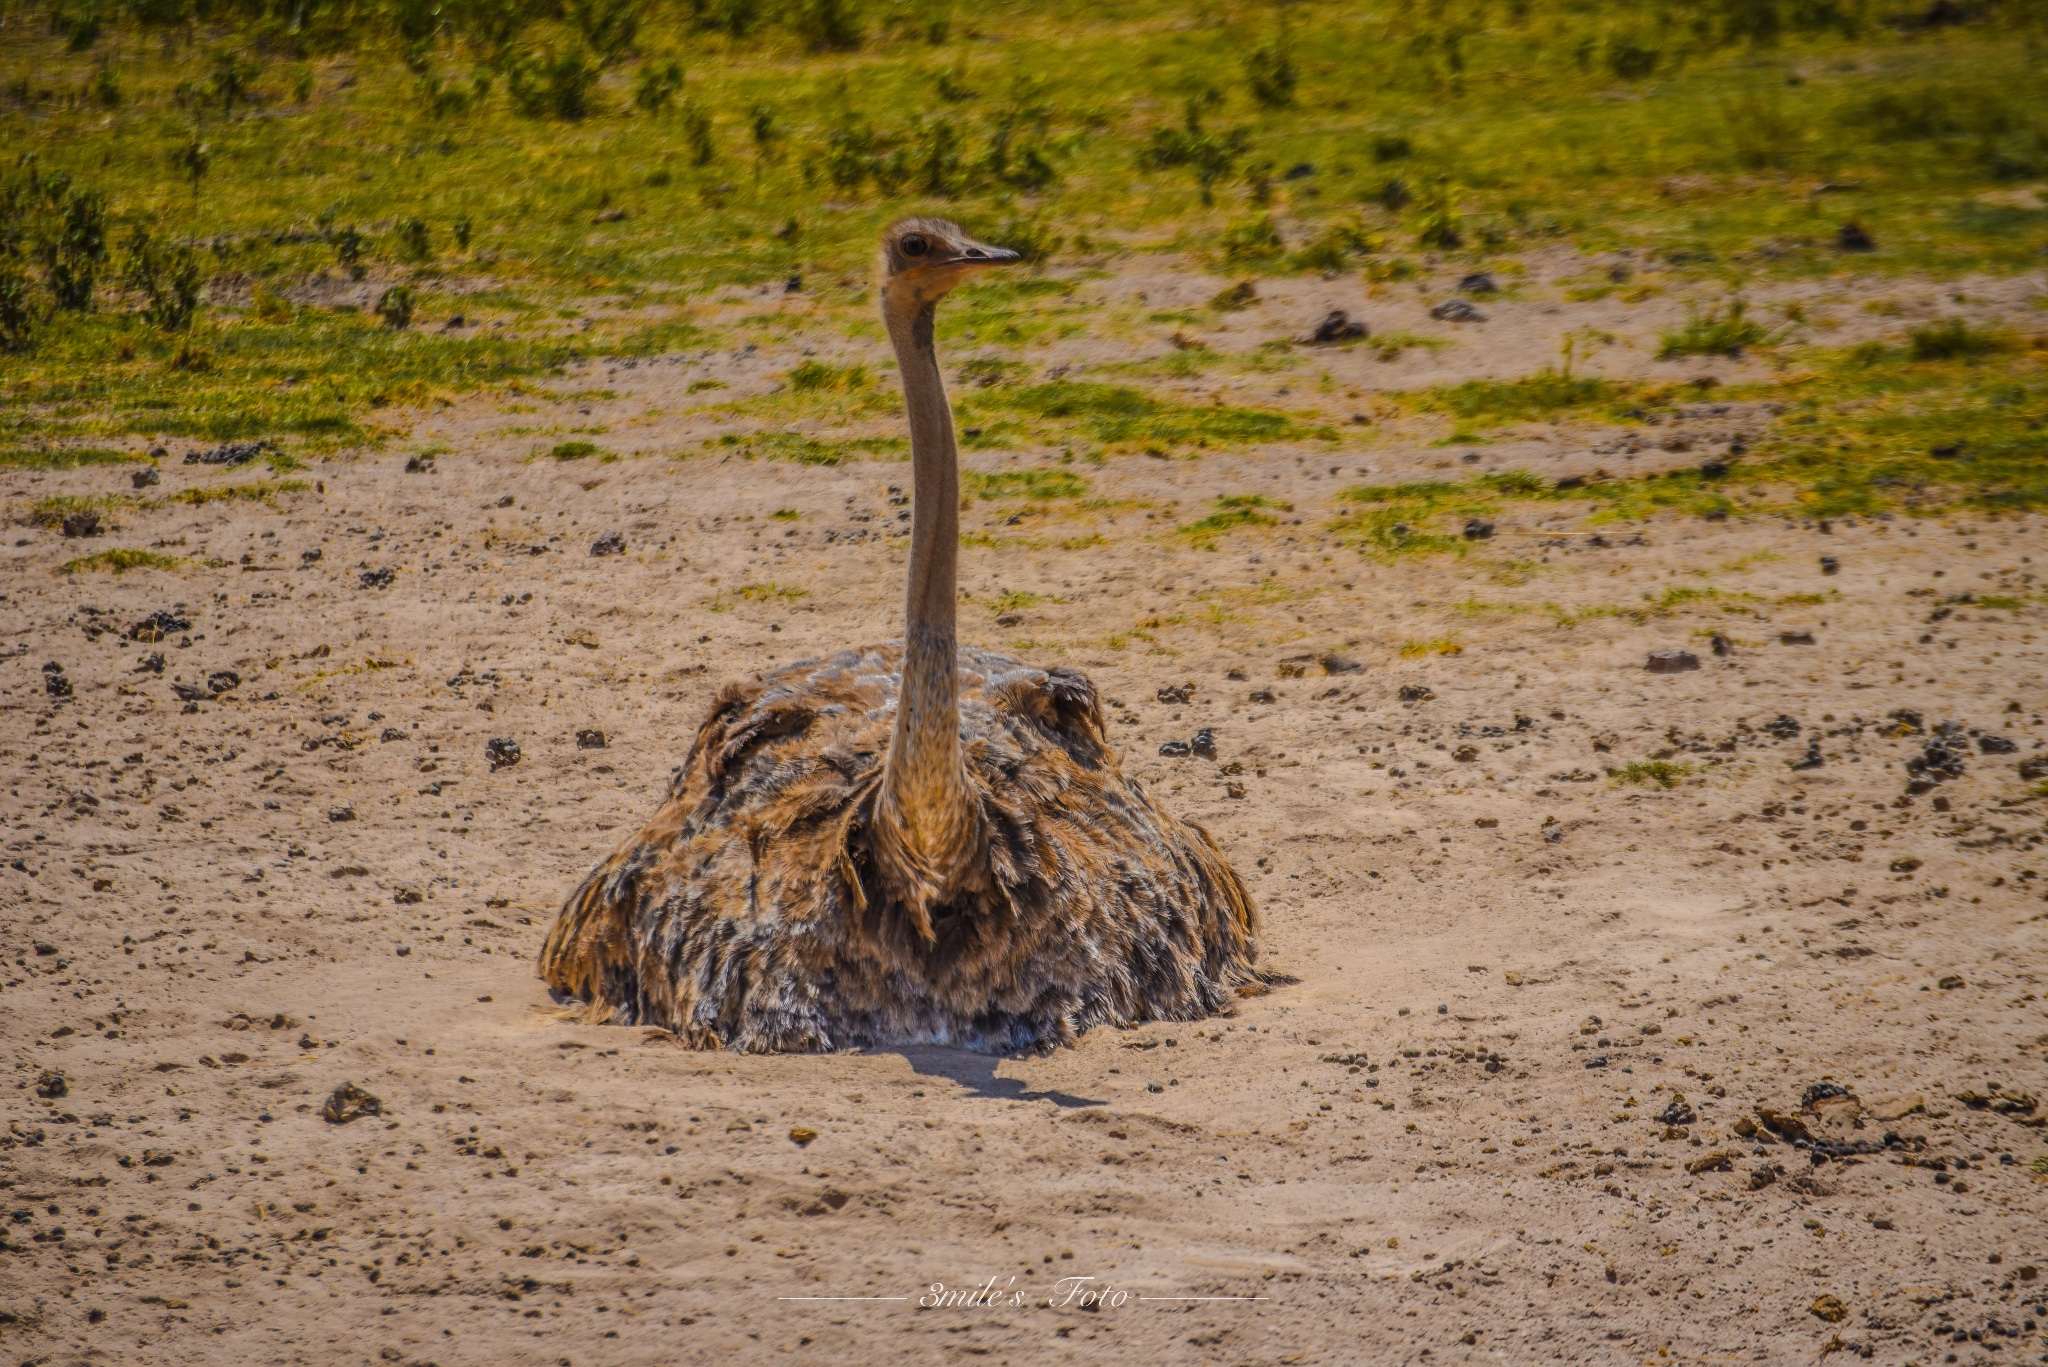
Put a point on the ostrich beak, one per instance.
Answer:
(975, 254)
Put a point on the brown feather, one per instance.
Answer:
(748, 914)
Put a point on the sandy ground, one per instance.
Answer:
(1534, 1094)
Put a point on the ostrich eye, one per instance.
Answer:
(914, 244)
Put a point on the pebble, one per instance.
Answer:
(1456, 311)
(1672, 661)
(84, 522)
(375, 579)
(1337, 326)
(1479, 282)
(502, 751)
(591, 738)
(1416, 693)
(611, 543)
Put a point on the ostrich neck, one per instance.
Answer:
(924, 791)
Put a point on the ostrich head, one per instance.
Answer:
(923, 258)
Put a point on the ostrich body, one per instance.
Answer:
(907, 843)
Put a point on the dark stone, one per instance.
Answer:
(1830, 565)
(1301, 170)
(1854, 237)
(419, 465)
(309, 557)
(52, 1086)
(1176, 694)
(1571, 482)
(1175, 749)
(1677, 1113)
(502, 752)
(1334, 663)
(1714, 469)
(1795, 638)
(1479, 282)
(1456, 311)
(1722, 645)
(611, 543)
(2035, 767)
(151, 663)
(1672, 661)
(375, 579)
(1995, 745)
(1812, 758)
(338, 814)
(1262, 695)
(55, 683)
(1783, 728)
(222, 680)
(234, 453)
(1204, 744)
(1908, 722)
(1416, 693)
(591, 739)
(1939, 761)
(143, 479)
(1476, 530)
(1337, 326)
(84, 522)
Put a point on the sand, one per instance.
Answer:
(1517, 1104)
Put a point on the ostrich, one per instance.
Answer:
(908, 843)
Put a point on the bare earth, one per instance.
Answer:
(1530, 999)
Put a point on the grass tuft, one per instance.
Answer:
(120, 561)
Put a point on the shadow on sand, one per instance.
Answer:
(977, 1073)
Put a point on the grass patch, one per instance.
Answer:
(1032, 484)
(795, 446)
(120, 561)
(1954, 339)
(1442, 645)
(261, 491)
(575, 450)
(755, 593)
(64, 457)
(1724, 331)
(1232, 511)
(1121, 417)
(1659, 773)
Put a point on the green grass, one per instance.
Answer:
(1954, 338)
(1031, 484)
(339, 144)
(770, 445)
(120, 561)
(1724, 331)
(1661, 773)
(64, 457)
(1124, 418)
(756, 593)
(1232, 511)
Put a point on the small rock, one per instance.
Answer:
(1175, 749)
(1677, 1113)
(1783, 727)
(1477, 530)
(502, 752)
(1233, 790)
(1337, 327)
(1334, 663)
(1416, 693)
(402, 951)
(1672, 661)
(223, 680)
(375, 579)
(55, 682)
(1176, 694)
(419, 465)
(1762, 1178)
(1456, 311)
(1203, 745)
(1720, 1160)
(611, 543)
(2036, 767)
(189, 692)
(1262, 695)
(1795, 638)
(1465, 754)
(1721, 644)
(1854, 237)
(1829, 1308)
(341, 814)
(1952, 981)
(1830, 565)
(143, 479)
(1995, 745)
(408, 897)
(1714, 469)
(591, 739)
(84, 522)
(1812, 758)
(51, 1086)
(1486, 823)
(347, 1102)
(801, 1136)
(1479, 282)
(311, 557)
(234, 453)
(1513, 977)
